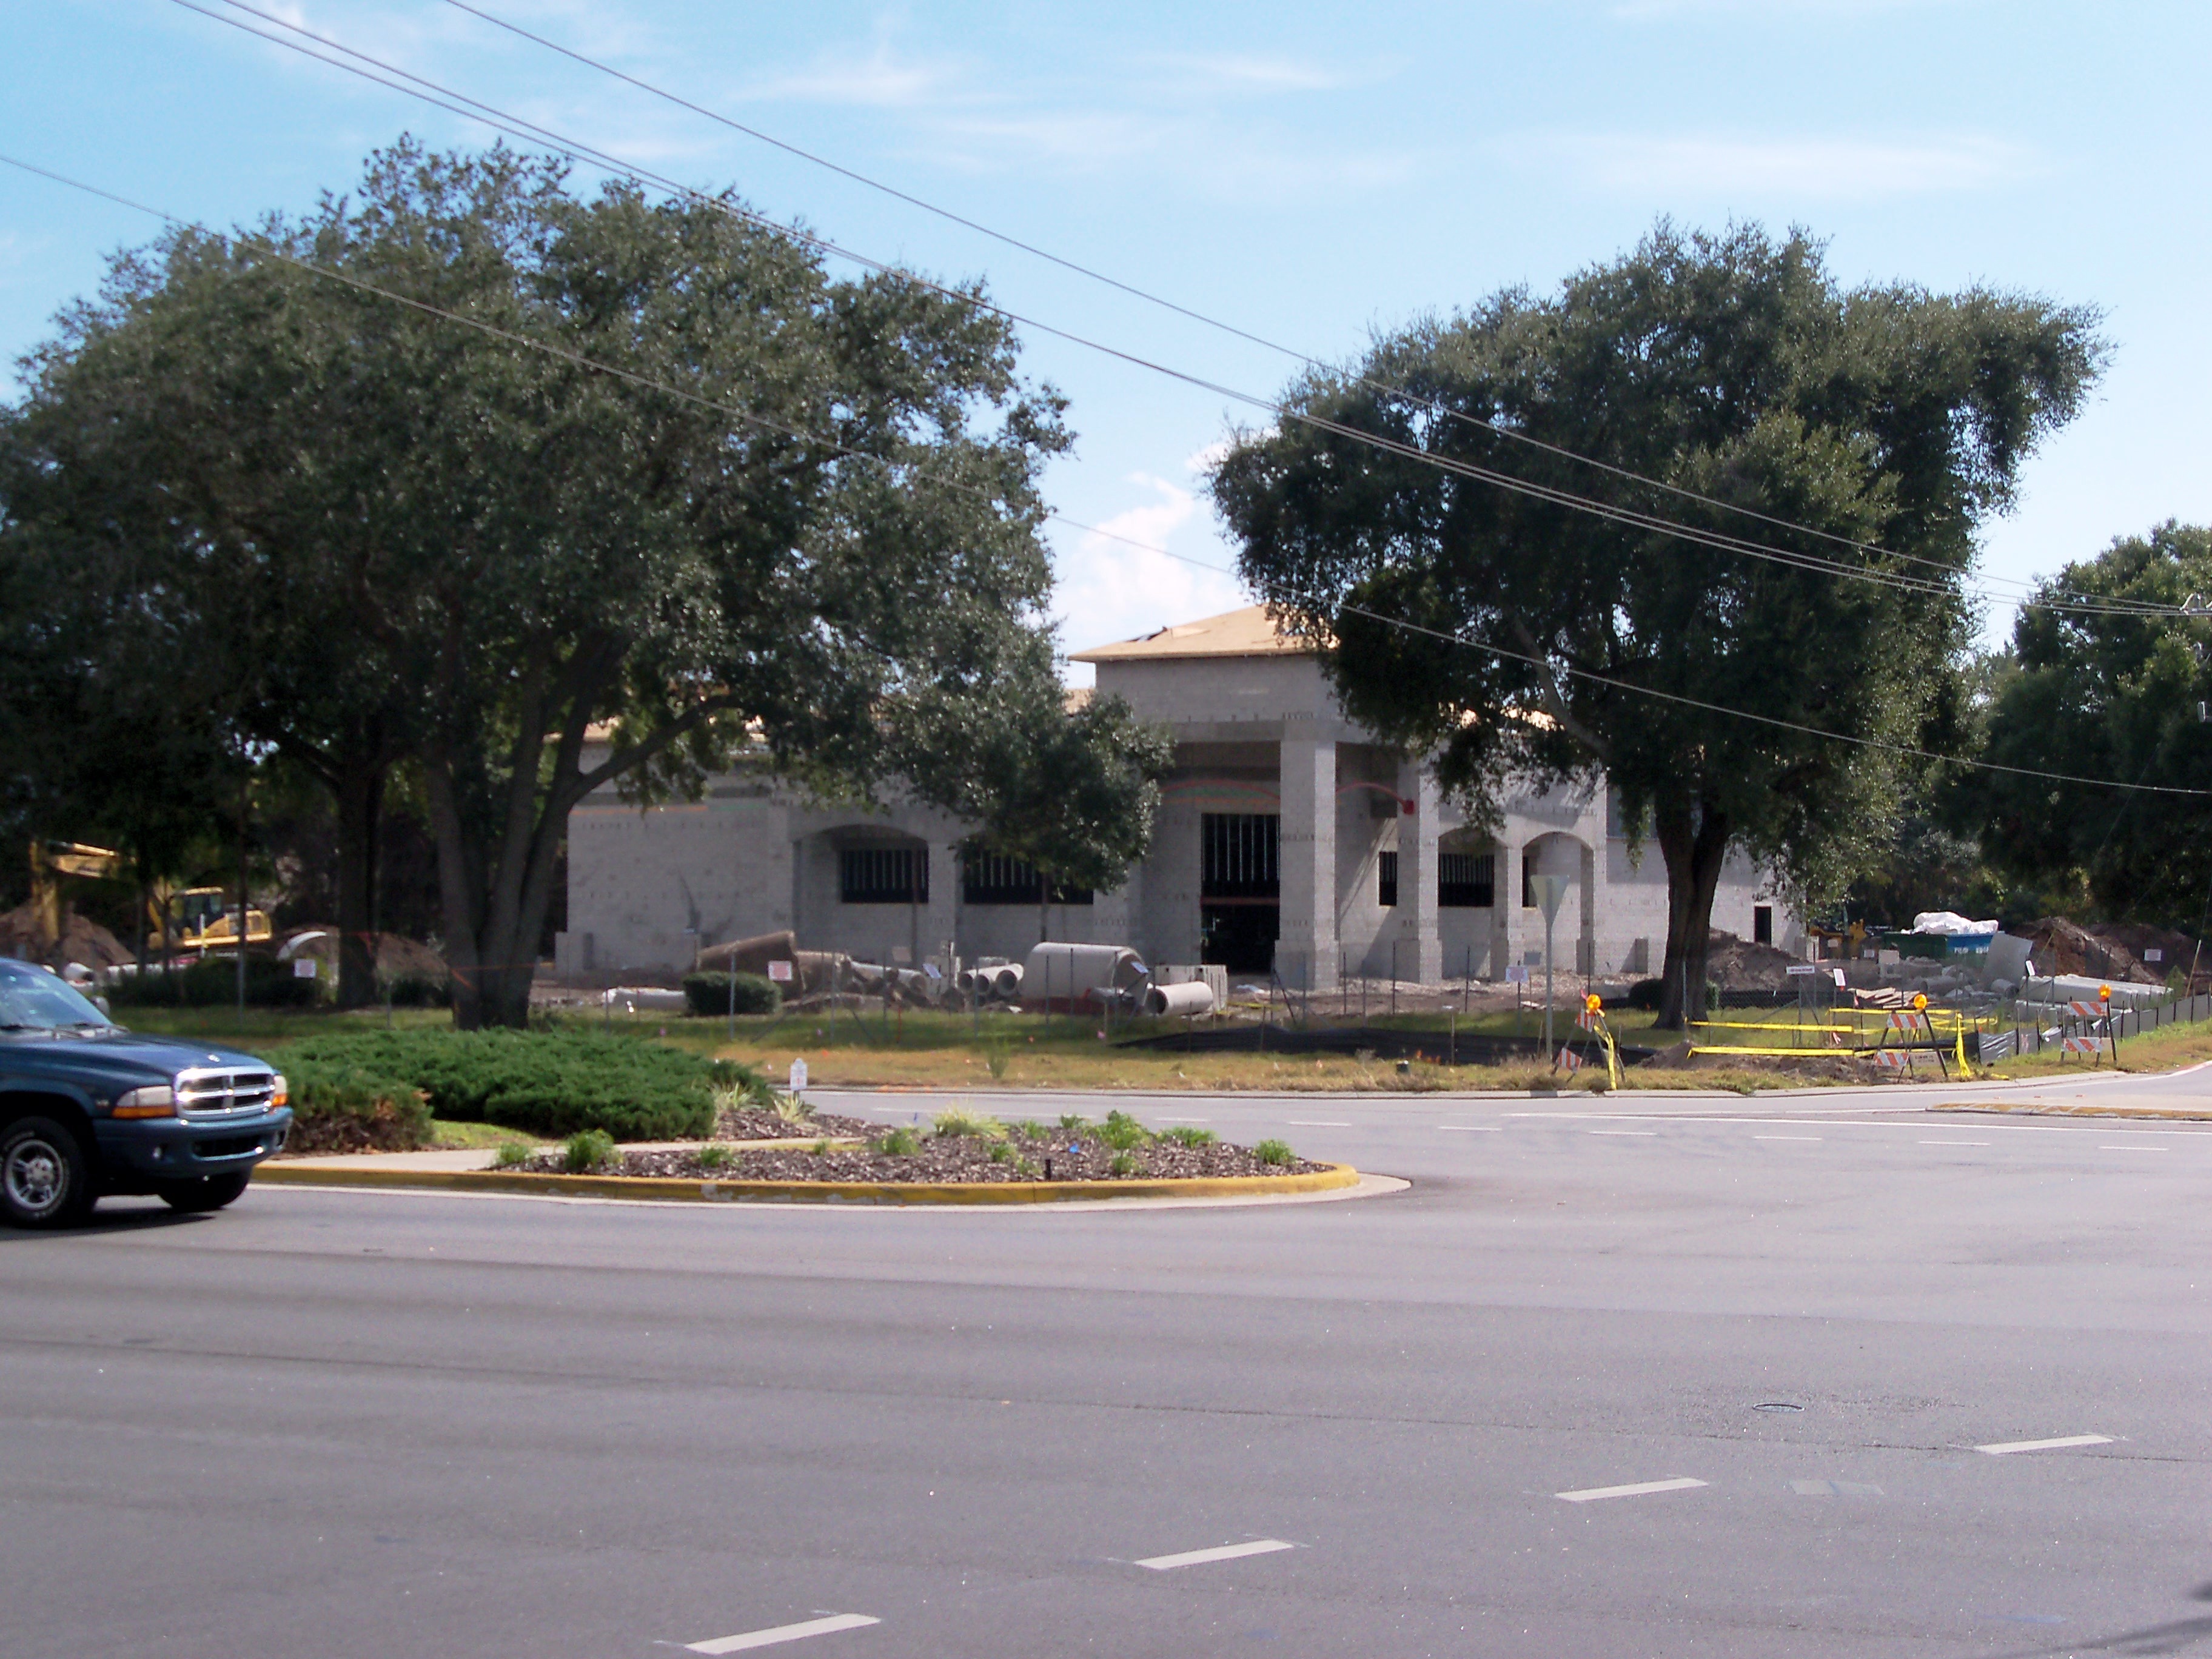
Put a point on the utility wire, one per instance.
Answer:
(501, 120)
(1232, 328)
(649, 382)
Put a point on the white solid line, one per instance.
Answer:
(2004, 1447)
(1317, 1123)
(1474, 1128)
(1955, 1143)
(765, 1638)
(1623, 1132)
(1785, 1137)
(1226, 1553)
(2130, 1149)
(1591, 1494)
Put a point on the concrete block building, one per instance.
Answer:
(1289, 840)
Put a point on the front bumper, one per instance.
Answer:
(133, 1153)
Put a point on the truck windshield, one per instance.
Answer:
(33, 999)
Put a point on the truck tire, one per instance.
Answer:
(196, 1194)
(46, 1179)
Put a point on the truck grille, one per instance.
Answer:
(203, 1093)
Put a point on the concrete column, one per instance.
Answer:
(1422, 948)
(938, 920)
(1306, 948)
(1506, 926)
(1586, 943)
(1114, 916)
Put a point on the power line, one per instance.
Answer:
(649, 382)
(500, 120)
(1232, 328)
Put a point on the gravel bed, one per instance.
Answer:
(1073, 1155)
(759, 1124)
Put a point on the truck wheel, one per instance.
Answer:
(46, 1180)
(197, 1194)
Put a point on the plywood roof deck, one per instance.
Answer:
(1246, 633)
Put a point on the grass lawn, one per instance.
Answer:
(2162, 1050)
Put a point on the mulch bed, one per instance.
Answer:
(759, 1124)
(956, 1158)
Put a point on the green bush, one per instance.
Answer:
(269, 984)
(347, 1109)
(1274, 1151)
(587, 1150)
(709, 994)
(1189, 1134)
(544, 1083)
(899, 1143)
(1122, 1132)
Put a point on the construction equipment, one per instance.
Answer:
(50, 861)
(176, 919)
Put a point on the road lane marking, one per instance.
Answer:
(1317, 1123)
(1955, 1143)
(1473, 1129)
(1225, 1552)
(2006, 1448)
(767, 1638)
(2130, 1149)
(1785, 1137)
(1591, 1494)
(1623, 1132)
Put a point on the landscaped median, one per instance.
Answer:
(962, 1157)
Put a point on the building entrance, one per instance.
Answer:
(1240, 890)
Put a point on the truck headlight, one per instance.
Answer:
(280, 1092)
(159, 1101)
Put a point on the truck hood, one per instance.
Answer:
(120, 1059)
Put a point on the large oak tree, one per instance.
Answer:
(1735, 368)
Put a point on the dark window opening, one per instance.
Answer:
(1528, 881)
(1240, 855)
(883, 875)
(1467, 881)
(989, 878)
(1385, 869)
(1762, 924)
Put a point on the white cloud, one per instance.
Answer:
(1828, 168)
(1111, 590)
(879, 80)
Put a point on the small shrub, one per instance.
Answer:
(996, 1052)
(966, 1121)
(417, 991)
(1029, 1129)
(713, 1157)
(899, 1143)
(821, 1147)
(511, 1153)
(1274, 1151)
(1074, 1122)
(1122, 1133)
(793, 1109)
(348, 1109)
(1189, 1134)
(1123, 1164)
(709, 994)
(587, 1150)
(1002, 1153)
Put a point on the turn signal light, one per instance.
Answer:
(280, 1092)
(160, 1101)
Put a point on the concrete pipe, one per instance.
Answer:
(1006, 982)
(1188, 999)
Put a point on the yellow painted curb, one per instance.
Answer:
(669, 1189)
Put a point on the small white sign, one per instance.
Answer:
(304, 967)
(1798, 969)
(2153, 955)
(1840, 983)
(1517, 973)
(779, 972)
(798, 1075)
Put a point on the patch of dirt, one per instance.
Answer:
(1072, 1154)
(761, 1123)
(2067, 947)
(1737, 964)
(83, 940)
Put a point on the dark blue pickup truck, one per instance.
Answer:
(87, 1107)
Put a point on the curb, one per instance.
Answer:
(2030, 1108)
(669, 1189)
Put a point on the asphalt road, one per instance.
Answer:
(365, 1423)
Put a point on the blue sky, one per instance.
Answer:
(1311, 172)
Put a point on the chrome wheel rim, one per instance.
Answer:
(36, 1176)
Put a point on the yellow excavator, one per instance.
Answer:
(177, 918)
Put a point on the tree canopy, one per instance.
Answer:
(612, 489)
(2121, 693)
(1521, 641)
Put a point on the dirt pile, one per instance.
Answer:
(2176, 951)
(83, 941)
(1736, 964)
(2061, 946)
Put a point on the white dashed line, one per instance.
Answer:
(2131, 1149)
(1955, 1143)
(1183, 1120)
(768, 1638)
(1317, 1123)
(1473, 1129)
(2006, 1448)
(1591, 1494)
(1225, 1552)
(1623, 1132)
(1786, 1137)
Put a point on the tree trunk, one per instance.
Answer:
(360, 798)
(495, 898)
(1694, 844)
